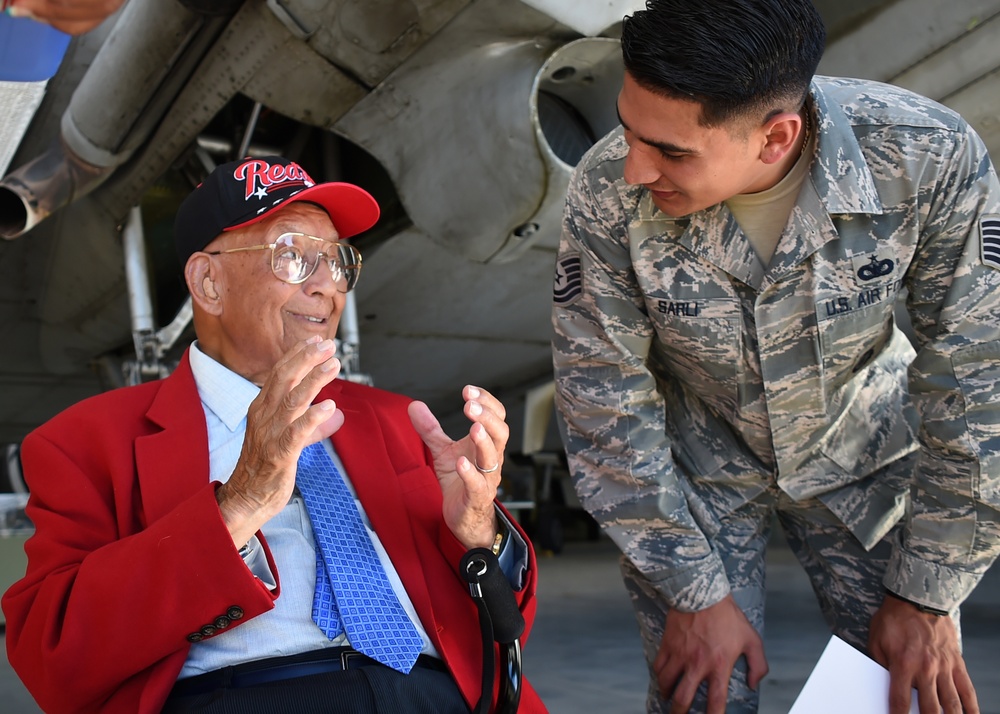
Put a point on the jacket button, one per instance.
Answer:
(222, 622)
(195, 637)
(235, 612)
(208, 630)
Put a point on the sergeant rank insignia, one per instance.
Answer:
(569, 280)
(989, 240)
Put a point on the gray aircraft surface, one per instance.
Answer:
(463, 117)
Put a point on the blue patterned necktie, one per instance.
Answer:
(353, 593)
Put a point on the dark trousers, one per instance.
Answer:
(373, 688)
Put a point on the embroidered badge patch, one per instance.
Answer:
(869, 267)
(989, 240)
(569, 280)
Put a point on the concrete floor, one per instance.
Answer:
(584, 653)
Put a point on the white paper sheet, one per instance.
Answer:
(845, 680)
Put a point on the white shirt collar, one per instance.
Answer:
(223, 391)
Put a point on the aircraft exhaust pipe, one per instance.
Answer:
(13, 213)
(32, 192)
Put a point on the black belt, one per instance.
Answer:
(274, 669)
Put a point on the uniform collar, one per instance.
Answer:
(840, 174)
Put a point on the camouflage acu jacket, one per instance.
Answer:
(690, 378)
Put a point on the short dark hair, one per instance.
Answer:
(736, 58)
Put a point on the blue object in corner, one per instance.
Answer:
(29, 51)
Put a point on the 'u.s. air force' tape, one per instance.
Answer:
(989, 240)
(569, 280)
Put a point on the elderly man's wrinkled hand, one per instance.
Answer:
(282, 421)
(469, 469)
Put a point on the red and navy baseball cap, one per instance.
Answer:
(241, 193)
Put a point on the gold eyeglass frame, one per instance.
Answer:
(340, 244)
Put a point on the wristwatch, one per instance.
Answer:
(501, 537)
(247, 550)
(923, 608)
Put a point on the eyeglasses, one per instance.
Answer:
(294, 257)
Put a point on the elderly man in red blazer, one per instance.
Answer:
(174, 565)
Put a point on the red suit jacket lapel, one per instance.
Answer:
(173, 463)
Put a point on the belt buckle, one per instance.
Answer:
(347, 655)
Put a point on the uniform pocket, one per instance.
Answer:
(977, 369)
(850, 341)
(700, 344)
(873, 421)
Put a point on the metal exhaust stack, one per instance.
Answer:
(34, 191)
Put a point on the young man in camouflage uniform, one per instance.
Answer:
(726, 351)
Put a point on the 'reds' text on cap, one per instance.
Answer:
(241, 193)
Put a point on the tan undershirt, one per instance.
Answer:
(763, 215)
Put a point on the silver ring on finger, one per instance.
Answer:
(483, 471)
